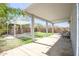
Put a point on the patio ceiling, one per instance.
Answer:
(55, 12)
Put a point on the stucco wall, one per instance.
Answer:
(73, 25)
(78, 29)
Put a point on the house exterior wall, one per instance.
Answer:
(73, 25)
(78, 29)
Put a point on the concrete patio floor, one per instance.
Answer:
(53, 45)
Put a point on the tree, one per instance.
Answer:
(3, 15)
(7, 13)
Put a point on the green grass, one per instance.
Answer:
(42, 34)
(26, 40)
(12, 43)
(9, 44)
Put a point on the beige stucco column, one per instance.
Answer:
(14, 29)
(32, 28)
(47, 27)
(7, 28)
(52, 28)
(21, 28)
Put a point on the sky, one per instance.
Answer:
(62, 24)
(26, 5)
(19, 5)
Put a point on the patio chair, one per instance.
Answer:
(66, 35)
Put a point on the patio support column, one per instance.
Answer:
(46, 28)
(21, 28)
(52, 28)
(14, 29)
(32, 28)
(7, 28)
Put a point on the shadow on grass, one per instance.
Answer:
(7, 44)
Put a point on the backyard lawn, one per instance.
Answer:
(6, 44)
(42, 34)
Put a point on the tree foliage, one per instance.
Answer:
(6, 13)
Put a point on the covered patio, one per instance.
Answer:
(46, 16)
(53, 45)
(48, 13)
(21, 21)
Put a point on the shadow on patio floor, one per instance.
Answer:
(49, 46)
(62, 47)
